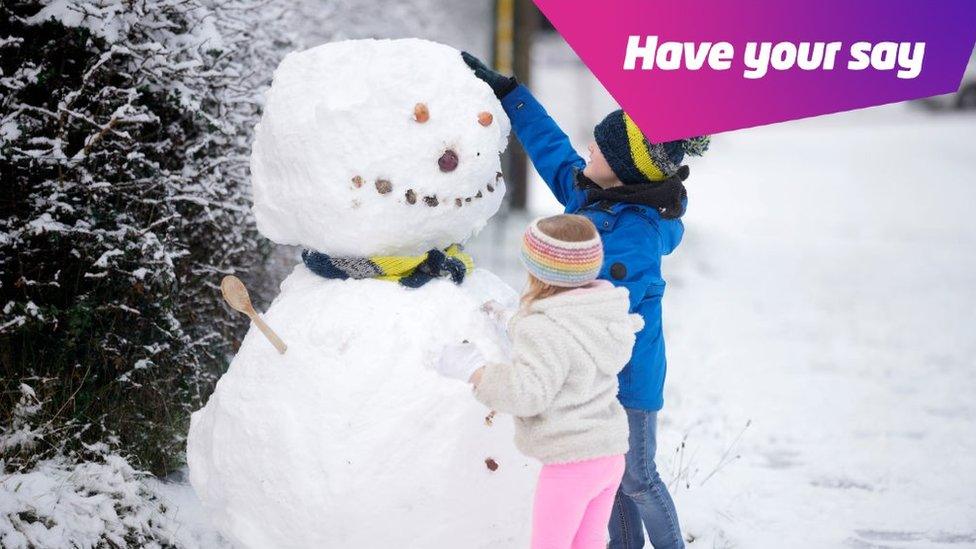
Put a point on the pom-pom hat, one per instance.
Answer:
(559, 262)
(636, 160)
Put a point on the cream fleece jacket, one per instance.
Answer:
(562, 383)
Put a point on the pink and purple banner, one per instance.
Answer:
(684, 68)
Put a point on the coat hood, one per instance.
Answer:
(598, 317)
(671, 231)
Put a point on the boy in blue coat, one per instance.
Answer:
(633, 192)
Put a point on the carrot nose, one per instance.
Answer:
(448, 162)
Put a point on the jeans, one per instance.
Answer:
(643, 500)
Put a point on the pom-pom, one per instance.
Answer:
(683, 173)
(696, 146)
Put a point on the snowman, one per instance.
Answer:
(378, 157)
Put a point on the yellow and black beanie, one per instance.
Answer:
(636, 160)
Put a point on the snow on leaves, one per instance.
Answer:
(124, 137)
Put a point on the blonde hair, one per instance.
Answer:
(565, 227)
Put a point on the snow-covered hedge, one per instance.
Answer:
(124, 137)
(89, 503)
(82, 497)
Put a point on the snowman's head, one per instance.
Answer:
(377, 147)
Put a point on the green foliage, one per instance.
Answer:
(123, 157)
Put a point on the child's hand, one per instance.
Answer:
(460, 361)
(499, 83)
(496, 311)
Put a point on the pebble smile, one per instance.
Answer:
(385, 186)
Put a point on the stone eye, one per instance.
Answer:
(421, 113)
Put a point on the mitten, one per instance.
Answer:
(459, 361)
(500, 84)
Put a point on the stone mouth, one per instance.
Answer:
(410, 197)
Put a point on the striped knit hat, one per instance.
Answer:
(560, 262)
(636, 160)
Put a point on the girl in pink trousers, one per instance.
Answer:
(570, 338)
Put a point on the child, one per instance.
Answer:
(570, 339)
(633, 192)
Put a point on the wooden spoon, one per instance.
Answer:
(235, 294)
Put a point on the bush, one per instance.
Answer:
(87, 497)
(124, 137)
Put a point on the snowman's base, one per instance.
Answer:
(350, 440)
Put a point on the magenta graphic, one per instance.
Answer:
(697, 67)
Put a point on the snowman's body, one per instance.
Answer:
(350, 439)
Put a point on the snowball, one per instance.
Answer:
(377, 147)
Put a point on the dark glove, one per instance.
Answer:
(500, 84)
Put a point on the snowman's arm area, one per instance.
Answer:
(527, 386)
(548, 146)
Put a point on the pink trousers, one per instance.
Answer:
(573, 502)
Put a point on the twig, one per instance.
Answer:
(726, 459)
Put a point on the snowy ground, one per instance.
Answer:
(195, 531)
(820, 321)
(825, 293)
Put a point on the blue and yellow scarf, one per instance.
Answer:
(410, 271)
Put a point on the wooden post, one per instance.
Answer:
(516, 22)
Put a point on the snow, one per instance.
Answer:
(191, 527)
(352, 426)
(89, 504)
(102, 18)
(339, 126)
(824, 292)
(9, 131)
(819, 320)
(111, 20)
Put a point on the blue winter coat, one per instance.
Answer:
(634, 239)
